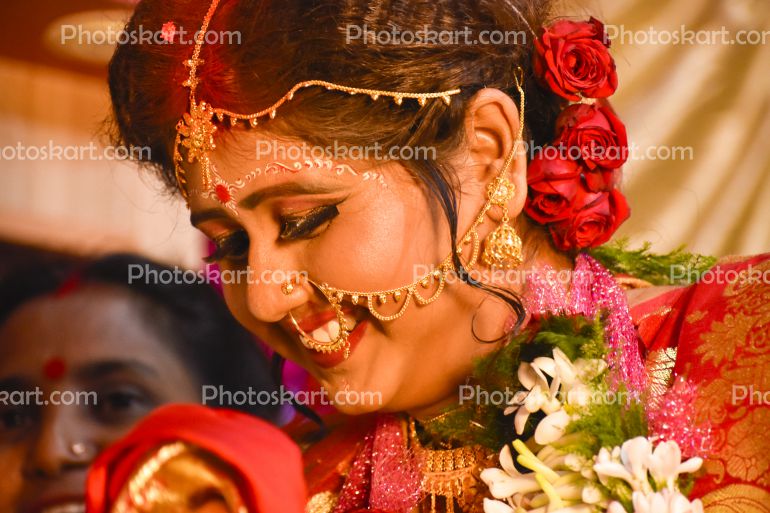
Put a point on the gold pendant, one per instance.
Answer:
(502, 248)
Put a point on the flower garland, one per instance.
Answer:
(573, 180)
(571, 442)
(575, 438)
(562, 468)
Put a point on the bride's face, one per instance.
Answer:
(354, 226)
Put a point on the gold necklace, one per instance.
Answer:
(445, 471)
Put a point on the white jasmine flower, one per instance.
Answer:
(552, 427)
(667, 501)
(507, 482)
(542, 396)
(591, 494)
(588, 369)
(564, 368)
(492, 506)
(633, 464)
(665, 464)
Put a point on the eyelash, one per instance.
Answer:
(234, 246)
(303, 226)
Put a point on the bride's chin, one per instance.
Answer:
(356, 409)
(350, 399)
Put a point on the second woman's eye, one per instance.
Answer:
(121, 404)
(16, 418)
(307, 224)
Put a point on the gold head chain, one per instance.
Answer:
(195, 132)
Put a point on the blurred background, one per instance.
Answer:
(697, 112)
(54, 93)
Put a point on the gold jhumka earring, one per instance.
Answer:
(502, 247)
(195, 134)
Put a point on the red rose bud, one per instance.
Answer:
(553, 184)
(550, 201)
(593, 134)
(573, 60)
(593, 224)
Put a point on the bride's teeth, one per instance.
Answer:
(334, 329)
(321, 335)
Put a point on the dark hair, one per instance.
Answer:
(191, 318)
(284, 42)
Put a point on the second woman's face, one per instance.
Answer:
(78, 371)
(353, 227)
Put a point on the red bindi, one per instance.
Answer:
(55, 368)
(222, 193)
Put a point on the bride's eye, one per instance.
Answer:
(308, 224)
(233, 246)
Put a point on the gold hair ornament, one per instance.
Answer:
(502, 248)
(195, 131)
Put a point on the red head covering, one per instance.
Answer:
(266, 462)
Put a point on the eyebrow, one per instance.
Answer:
(105, 368)
(251, 201)
(91, 371)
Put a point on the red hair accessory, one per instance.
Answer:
(573, 180)
(573, 60)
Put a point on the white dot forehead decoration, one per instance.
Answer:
(225, 192)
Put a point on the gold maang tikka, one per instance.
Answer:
(195, 133)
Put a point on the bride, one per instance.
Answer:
(410, 201)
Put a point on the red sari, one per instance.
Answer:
(717, 334)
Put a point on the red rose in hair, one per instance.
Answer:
(595, 135)
(553, 184)
(593, 223)
(573, 60)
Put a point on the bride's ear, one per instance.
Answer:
(491, 133)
